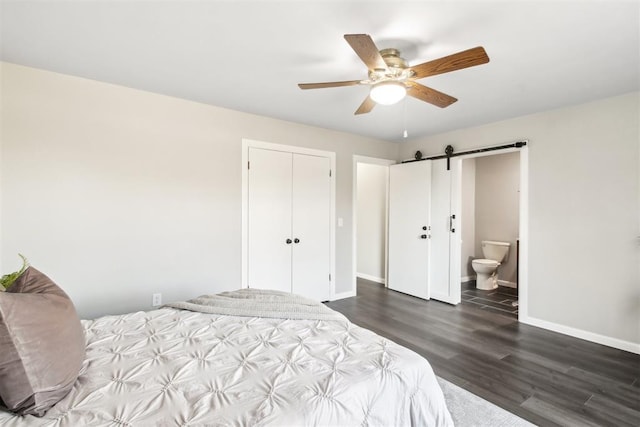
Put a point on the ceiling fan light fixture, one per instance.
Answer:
(388, 93)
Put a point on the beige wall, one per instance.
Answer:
(468, 215)
(118, 193)
(584, 197)
(497, 210)
(371, 217)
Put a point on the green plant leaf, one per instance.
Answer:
(8, 279)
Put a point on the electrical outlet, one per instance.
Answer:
(157, 300)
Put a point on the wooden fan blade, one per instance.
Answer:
(328, 84)
(429, 95)
(366, 106)
(366, 49)
(457, 61)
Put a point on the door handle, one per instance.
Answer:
(288, 241)
(296, 240)
(423, 236)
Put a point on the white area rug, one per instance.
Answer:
(468, 410)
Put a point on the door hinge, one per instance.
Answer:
(329, 276)
(329, 172)
(248, 165)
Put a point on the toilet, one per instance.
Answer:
(487, 268)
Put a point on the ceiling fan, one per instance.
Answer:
(391, 78)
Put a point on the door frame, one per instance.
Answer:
(523, 270)
(251, 143)
(354, 220)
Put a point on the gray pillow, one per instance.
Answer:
(42, 344)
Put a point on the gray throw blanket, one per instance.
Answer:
(260, 303)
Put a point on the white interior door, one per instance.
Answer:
(311, 194)
(269, 219)
(455, 245)
(409, 209)
(445, 231)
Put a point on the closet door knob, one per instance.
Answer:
(288, 241)
(423, 236)
(296, 240)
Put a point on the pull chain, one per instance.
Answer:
(405, 134)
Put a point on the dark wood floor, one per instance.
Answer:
(542, 376)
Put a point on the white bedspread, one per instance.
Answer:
(172, 367)
(260, 303)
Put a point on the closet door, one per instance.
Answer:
(311, 227)
(445, 231)
(269, 219)
(409, 207)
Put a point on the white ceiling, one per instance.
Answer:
(249, 56)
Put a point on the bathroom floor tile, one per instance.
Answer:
(500, 300)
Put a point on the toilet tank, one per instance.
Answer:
(496, 251)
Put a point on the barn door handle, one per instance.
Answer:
(288, 241)
(296, 240)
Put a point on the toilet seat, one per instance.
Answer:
(487, 262)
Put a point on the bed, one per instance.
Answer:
(238, 362)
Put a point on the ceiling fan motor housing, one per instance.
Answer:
(392, 58)
(397, 67)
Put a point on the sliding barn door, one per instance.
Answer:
(445, 231)
(289, 223)
(269, 219)
(409, 207)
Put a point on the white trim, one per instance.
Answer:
(246, 143)
(354, 216)
(507, 283)
(371, 278)
(523, 262)
(582, 334)
(373, 160)
(343, 295)
(244, 215)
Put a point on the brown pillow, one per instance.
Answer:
(42, 344)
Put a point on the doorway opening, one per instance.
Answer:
(491, 227)
(370, 219)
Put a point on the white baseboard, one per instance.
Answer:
(372, 278)
(585, 335)
(343, 295)
(507, 283)
(467, 278)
